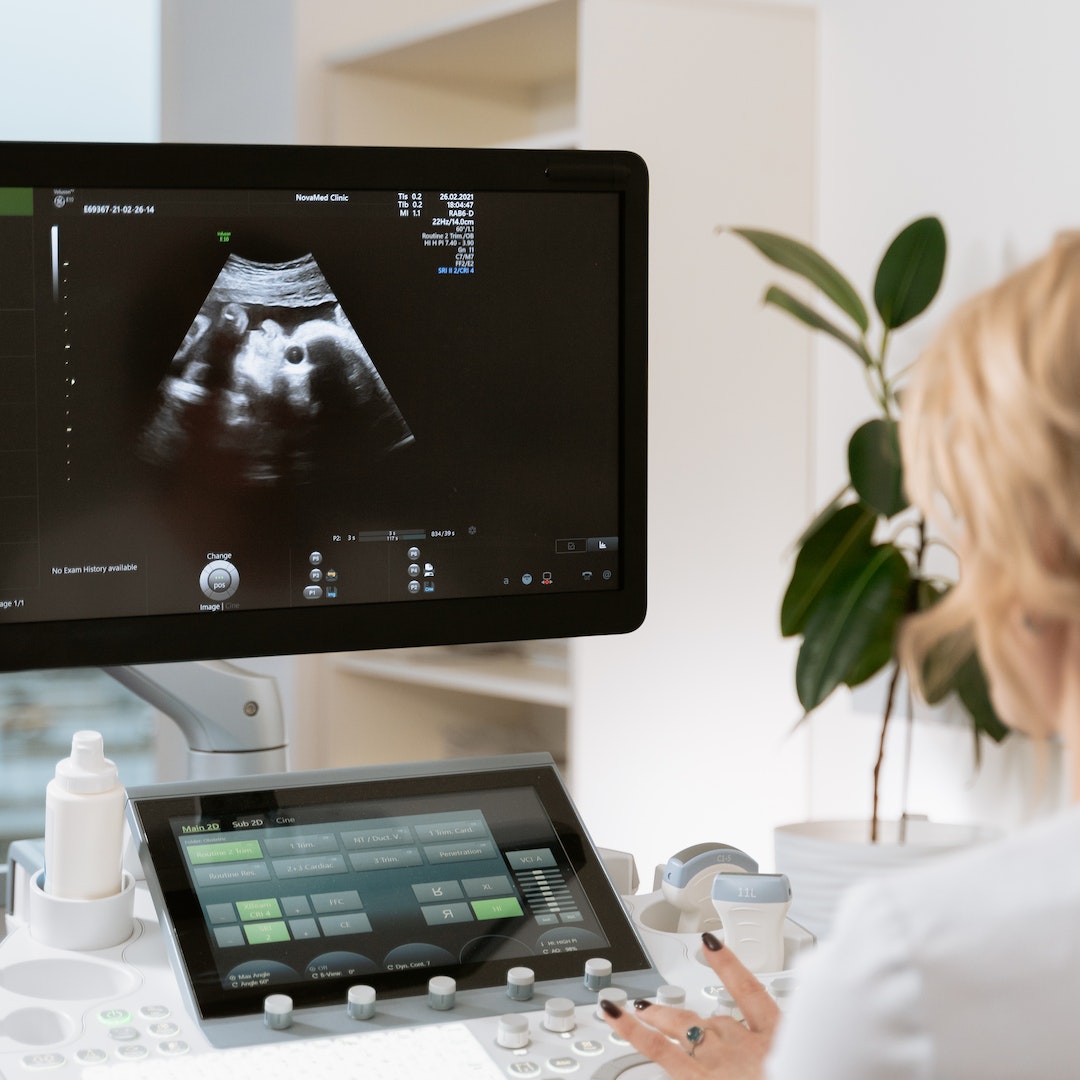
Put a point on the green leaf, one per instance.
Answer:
(879, 647)
(850, 635)
(840, 542)
(910, 272)
(782, 299)
(877, 473)
(823, 515)
(796, 256)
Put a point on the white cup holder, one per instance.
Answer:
(665, 918)
(661, 917)
(82, 924)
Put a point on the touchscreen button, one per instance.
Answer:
(441, 914)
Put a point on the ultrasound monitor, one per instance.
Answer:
(275, 400)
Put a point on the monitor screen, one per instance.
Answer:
(271, 400)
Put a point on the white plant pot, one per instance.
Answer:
(823, 859)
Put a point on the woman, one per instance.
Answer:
(970, 966)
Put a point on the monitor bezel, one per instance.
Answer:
(266, 632)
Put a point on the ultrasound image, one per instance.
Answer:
(272, 384)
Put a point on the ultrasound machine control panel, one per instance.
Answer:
(450, 919)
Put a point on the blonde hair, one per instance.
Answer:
(991, 425)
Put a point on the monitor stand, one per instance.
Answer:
(231, 718)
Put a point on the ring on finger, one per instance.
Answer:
(695, 1036)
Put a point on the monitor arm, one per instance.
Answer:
(231, 718)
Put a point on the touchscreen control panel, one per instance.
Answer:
(308, 884)
(398, 893)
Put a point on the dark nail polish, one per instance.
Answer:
(642, 1003)
(610, 1008)
(711, 942)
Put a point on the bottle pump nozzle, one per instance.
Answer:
(87, 770)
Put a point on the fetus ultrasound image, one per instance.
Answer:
(272, 385)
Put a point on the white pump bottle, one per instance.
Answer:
(84, 823)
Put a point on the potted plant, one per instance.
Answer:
(860, 566)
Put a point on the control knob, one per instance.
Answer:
(671, 995)
(361, 1002)
(519, 983)
(613, 994)
(513, 1032)
(559, 1014)
(278, 1012)
(597, 973)
(441, 992)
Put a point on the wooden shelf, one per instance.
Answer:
(482, 52)
(557, 139)
(507, 75)
(508, 674)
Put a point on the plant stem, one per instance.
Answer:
(905, 787)
(877, 392)
(881, 750)
(912, 606)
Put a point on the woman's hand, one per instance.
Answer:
(689, 1047)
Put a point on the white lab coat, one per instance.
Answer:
(967, 967)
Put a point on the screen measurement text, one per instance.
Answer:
(447, 223)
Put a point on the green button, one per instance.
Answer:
(506, 908)
(114, 1017)
(264, 932)
(227, 851)
(250, 910)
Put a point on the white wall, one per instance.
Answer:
(966, 109)
(77, 71)
(239, 56)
